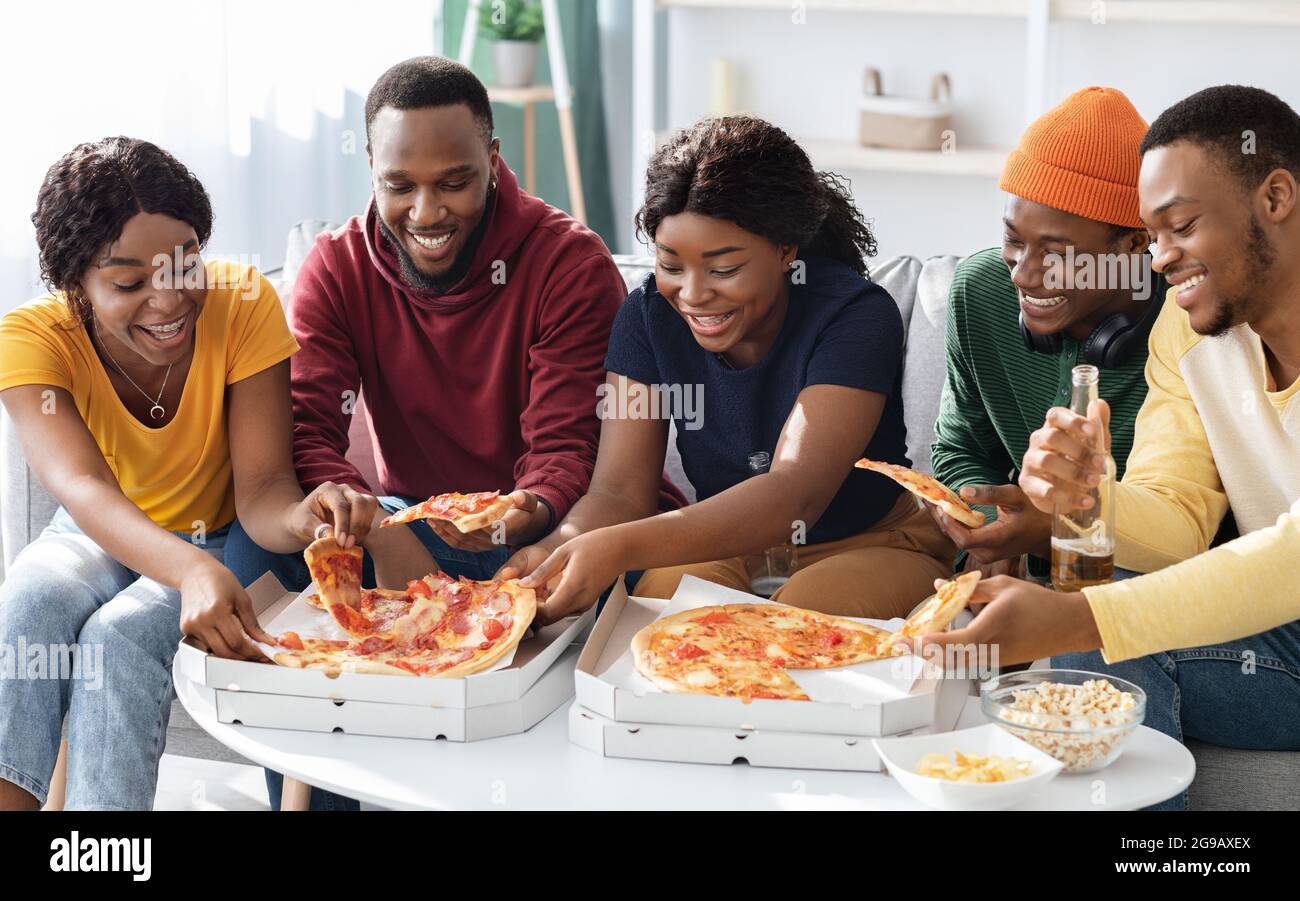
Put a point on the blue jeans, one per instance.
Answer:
(1238, 694)
(113, 634)
(249, 562)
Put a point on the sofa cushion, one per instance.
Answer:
(924, 360)
(25, 506)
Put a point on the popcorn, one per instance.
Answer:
(973, 768)
(1052, 711)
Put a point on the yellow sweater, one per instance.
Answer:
(1211, 434)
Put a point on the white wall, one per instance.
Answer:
(807, 78)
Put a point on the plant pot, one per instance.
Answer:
(516, 62)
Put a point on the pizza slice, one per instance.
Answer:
(928, 489)
(466, 512)
(336, 571)
(936, 614)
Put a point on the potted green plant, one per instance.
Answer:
(515, 27)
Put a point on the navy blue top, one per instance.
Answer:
(839, 329)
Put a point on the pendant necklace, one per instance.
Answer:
(156, 411)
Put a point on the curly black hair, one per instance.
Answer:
(425, 81)
(87, 197)
(749, 172)
(1251, 131)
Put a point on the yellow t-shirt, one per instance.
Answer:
(179, 474)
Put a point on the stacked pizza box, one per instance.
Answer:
(512, 698)
(618, 713)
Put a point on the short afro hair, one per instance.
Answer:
(430, 81)
(88, 196)
(1224, 118)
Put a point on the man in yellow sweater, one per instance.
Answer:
(1213, 636)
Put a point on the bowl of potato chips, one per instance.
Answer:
(985, 768)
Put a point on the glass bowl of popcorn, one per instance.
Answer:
(1082, 719)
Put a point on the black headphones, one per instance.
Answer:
(1111, 344)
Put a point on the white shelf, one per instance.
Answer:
(537, 93)
(1184, 12)
(1000, 8)
(853, 157)
(850, 156)
(1172, 12)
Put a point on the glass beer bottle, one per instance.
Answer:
(1083, 540)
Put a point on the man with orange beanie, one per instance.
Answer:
(1071, 284)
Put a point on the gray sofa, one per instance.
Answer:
(1226, 779)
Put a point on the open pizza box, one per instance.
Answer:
(275, 711)
(532, 659)
(884, 697)
(756, 747)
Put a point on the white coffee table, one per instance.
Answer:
(541, 770)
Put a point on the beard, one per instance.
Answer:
(411, 273)
(459, 268)
(1232, 310)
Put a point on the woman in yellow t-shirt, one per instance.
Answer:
(150, 392)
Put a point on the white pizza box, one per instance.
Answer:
(606, 686)
(757, 747)
(532, 659)
(277, 711)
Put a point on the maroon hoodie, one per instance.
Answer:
(489, 386)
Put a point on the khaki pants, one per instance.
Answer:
(879, 574)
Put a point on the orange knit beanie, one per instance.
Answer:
(1082, 157)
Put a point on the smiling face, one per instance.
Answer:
(431, 170)
(727, 283)
(1032, 231)
(144, 304)
(1210, 234)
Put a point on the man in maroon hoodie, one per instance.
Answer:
(471, 316)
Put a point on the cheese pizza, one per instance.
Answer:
(745, 650)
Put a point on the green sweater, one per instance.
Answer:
(996, 393)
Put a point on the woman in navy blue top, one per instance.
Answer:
(780, 362)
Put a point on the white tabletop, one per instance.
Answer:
(540, 769)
